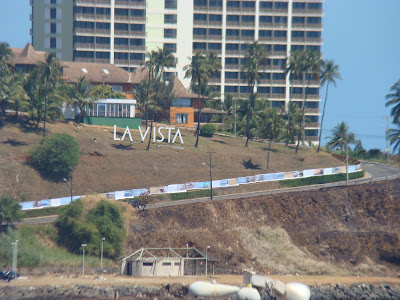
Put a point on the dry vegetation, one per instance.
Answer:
(110, 165)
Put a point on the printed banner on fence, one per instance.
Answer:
(328, 171)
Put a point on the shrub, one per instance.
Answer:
(10, 210)
(56, 156)
(76, 228)
(320, 179)
(207, 130)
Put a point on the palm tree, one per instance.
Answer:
(294, 68)
(293, 116)
(254, 60)
(6, 73)
(34, 91)
(394, 136)
(341, 136)
(394, 99)
(161, 59)
(312, 66)
(198, 71)
(329, 74)
(271, 126)
(81, 95)
(50, 72)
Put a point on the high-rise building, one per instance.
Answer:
(122, 31)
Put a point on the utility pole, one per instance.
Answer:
(235, 115)
(15, 258)
(211, 194)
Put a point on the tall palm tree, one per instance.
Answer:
(312, 66)
(34, 91)
(294, 68)
(81, 95)
(254, 60)
(271, 126)
(198, 71)
(394, 100)
(160, 59)
(293, 117)
(6, 73)
(394, 136)
(50, 72)
(329, 74)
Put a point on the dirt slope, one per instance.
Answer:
(345, 230)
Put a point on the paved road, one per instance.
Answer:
(376, 172)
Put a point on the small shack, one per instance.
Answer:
(148, 262)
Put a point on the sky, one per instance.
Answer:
(361, 36)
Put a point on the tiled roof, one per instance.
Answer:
(27, 55)
(181, 92)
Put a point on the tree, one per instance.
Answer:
(6, 73)
(341, 137)
(312, 66)
(295, 69)
(10, 210)
(329, 74)
(393, 99)
(254, 60)
(105, 92)
(80, 94)
(271, 126)
(293, 117)
(50, 72)
(158, 61)
(34, 91)
(394, 136)
(56, 157)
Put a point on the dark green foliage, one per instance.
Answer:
(10, 210)
(75, 227)
(374, 153)
(192, 194)
(42, 212)
(207, 130)
(320, 179)
(56, 157)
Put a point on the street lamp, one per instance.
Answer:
(187, 250)
(102, 242)
(15, 258)
(83, 259)
(70, 185)
(208, 247)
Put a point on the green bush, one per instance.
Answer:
(10, 210)
(75, 227)
(207, 130)
(56, 156)
(320, 179)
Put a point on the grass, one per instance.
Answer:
(42, 212)
(112, 165)
(37, 247)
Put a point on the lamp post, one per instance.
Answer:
(70, 183)
(211, 191)
(15, 258)
(187, 250)
(83, 259)
(208, 247)
(102, 242)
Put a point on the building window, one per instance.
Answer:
(137, 56)
(232, 18)
(314, 6)
(232, 32)
(266, 4)
(280, 48)
(298, 20)
(278, 90)
(297, 34)
(278, 76)
(199, 46)
(198, 3)
(245, 89)
(83, 25)
(147, 264)
(215, 3)
(83, 54)
(265, 33)
(53, 13)
(279, 62)
(137, 42)
(83, 39)
(53, 43)
(233, 4)
(121, 41)
(121, 12)
(170, 4)
(265, 19)
(53, 28)
(263, 90)
(231, 47)
(313, 20)
(200, 17)
(277, 104)
(117, 88)
(248, 19)
(297, 91)
(280, 20)
(248, 4)
(214, 31)
(166, 263)
(121, 56)
(281, 5)
(102, 26)
(279, 33)
(103, 40)
(103, 11)
(121, 26)
(53, 2)
(170, 47)
(314, 34)
(231, 75)
(170, 33)
(312, 91)
(231, 89)
(313, 48)
(170, 19)
(299, 5)
(231, 61)
(297, 48)
(214, 46)
(102, 55)
(138, 13)
(215, 18)
(247, 33)
(312, 132)
(138, 27)
(199, 31)
(181, 118)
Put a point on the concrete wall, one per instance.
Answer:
(173, 111)
(161, 267)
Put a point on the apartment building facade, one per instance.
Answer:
(122, 31)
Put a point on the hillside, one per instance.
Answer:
(110, 165)
(343, 230)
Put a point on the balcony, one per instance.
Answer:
(129, 48)
(313, 125)
(232, 67)
(214, 80)
(231, 80)
(207, 9)
(307, 26)
(311, 138)
(313, 41)
(130, 4)
(312, 111)
(97, 3)
(131, 19)
(307, 12)
(123, 33)
(78, 46)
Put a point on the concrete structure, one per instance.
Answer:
(147, 262)
(121, 32)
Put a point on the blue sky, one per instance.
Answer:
(361, 36)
